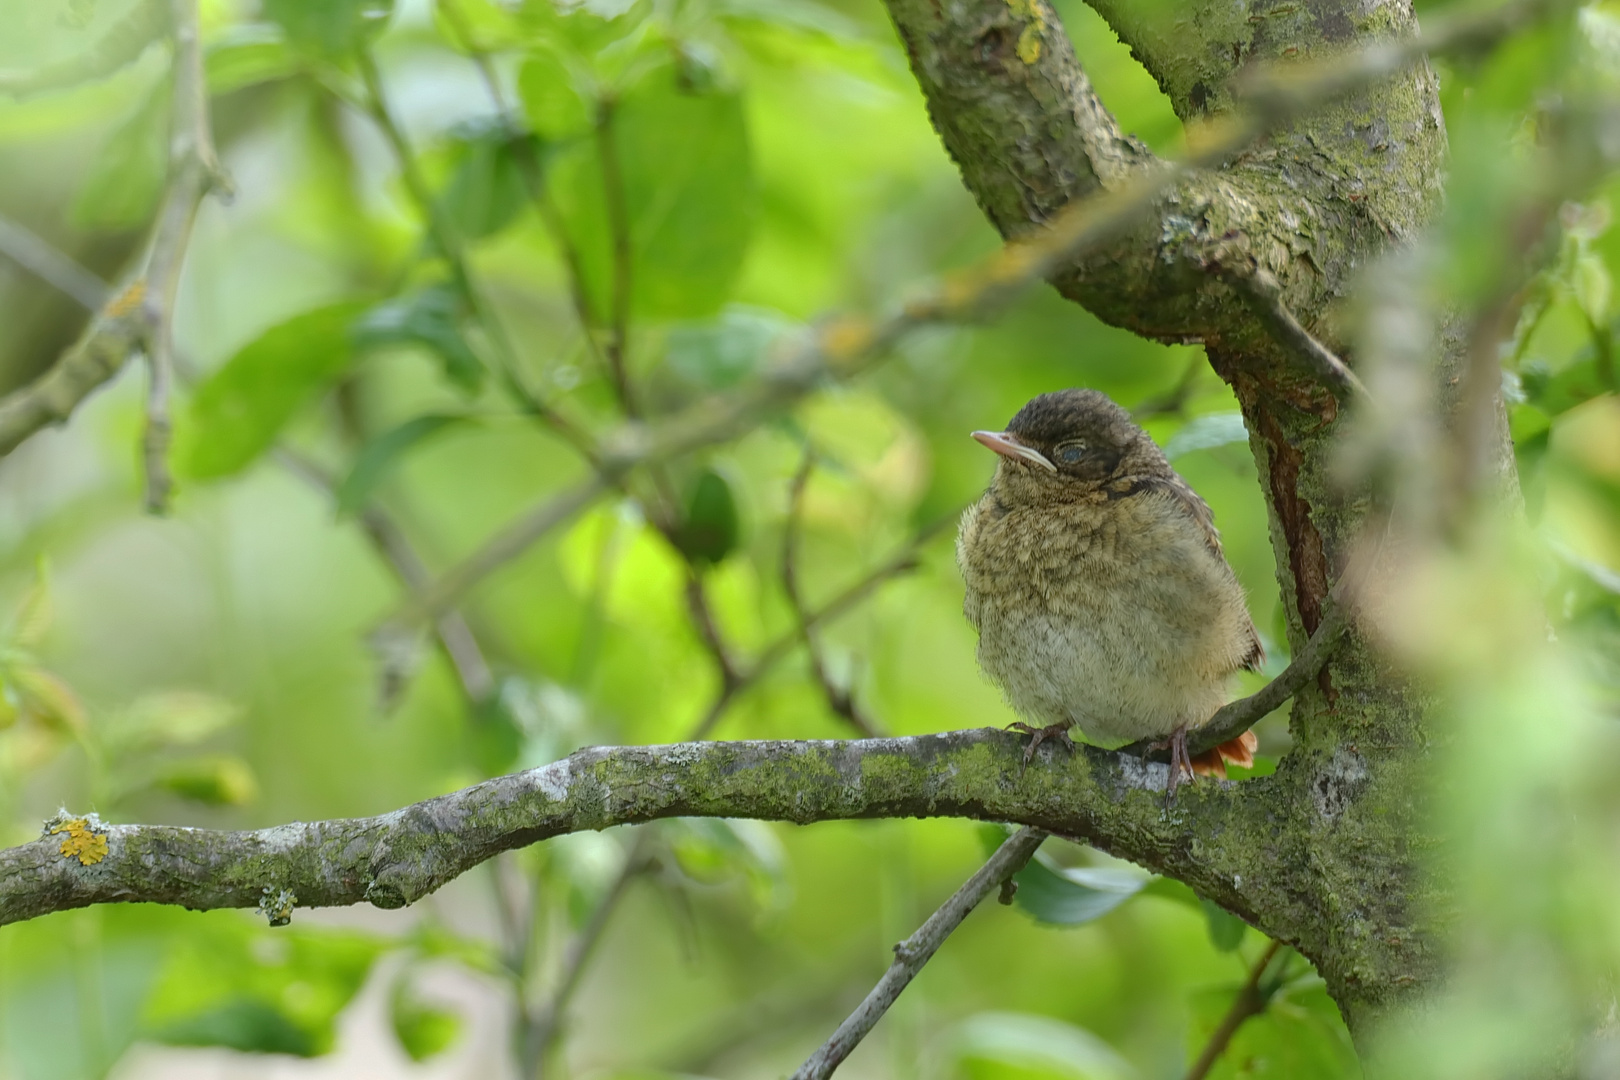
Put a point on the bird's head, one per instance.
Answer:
(1068, 443)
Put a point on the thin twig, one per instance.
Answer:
(1262, 291)
(544, 1025)
(40, 258)
(449, 588)
(840, 699)
(1175, 399)
(1234, 718)
(456, 638)
(773, 654)
(193, 172)
(1250, 1001)
(911, 954)
(450, 245)
(618, 215)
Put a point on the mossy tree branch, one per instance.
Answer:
(1110, 799)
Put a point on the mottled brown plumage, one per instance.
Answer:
(1096, 581)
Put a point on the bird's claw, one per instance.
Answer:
(1037, 735)
(1180, 761)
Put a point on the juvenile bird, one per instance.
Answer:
(1096, 581)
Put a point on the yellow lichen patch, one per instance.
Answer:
(82, 842)
(128, 300)
(1029, 39)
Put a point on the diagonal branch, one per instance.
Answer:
(1262, 291)
(1107, 799)
(911, 954)
(1251, 1000)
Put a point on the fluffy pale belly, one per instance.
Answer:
(1118, 677)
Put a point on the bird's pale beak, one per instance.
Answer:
(1009, 447)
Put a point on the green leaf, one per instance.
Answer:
(423, 1030)
(241, 408)
(556, 108)
(430, 318)
(1072, 896)
(332, 29)
(486, 191)
(247, 56)
(1225, 929)
(224, 978)
(722, 353)
(1591, 286)
(247, 1025)
(1067, 896)
(710, 528)
(220, 780)
(1042, 1045)
(1206, 433)
(164, 720)
(380, 455)
(126, 178)
(1557, 393)
(1300, 1034)
(688, 194)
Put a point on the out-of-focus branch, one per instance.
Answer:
(618, 215)
(388, 539)
(840, 699)
(911, 954)
(543, 1024)
(778, 650)
(40, 258)
(1262, 291)
(450, 245)
(193, 172)
(1251, 1001)
(138, 316)
(1105, 798)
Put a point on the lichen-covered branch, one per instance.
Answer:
(396, 858)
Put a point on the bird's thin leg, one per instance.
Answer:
(1179, 760)
(1038, 735)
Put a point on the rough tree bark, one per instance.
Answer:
(1336, 839)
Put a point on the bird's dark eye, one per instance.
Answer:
(1070, 453)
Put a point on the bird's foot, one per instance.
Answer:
(1037, 735)
(1179, 761)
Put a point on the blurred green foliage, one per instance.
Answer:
(722, 171)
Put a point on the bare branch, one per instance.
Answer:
(840, 699)
(544, 1025)
(902, 562)
(619, 229)
(193, 172)
(1108, 799)
(1262, 291)
(911, 954)
(447, 591)
(138, 315)
(51, 266)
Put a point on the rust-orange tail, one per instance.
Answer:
(1239, 751)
